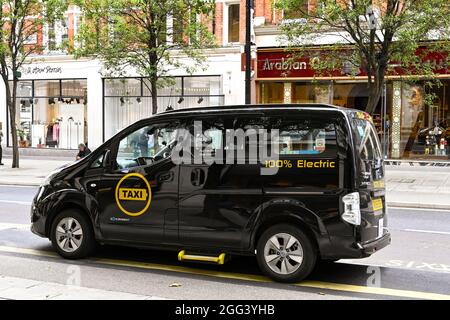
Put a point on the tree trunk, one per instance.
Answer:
(372, 102)
(375, 92)
(154, 90)
(11, 105)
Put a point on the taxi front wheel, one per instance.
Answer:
(285, 253)
(72, 235)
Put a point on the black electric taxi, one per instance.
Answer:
(289, 184)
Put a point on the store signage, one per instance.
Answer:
(284, 65)
(281, 64)
(41, 70)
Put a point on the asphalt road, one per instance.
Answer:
(415, 265)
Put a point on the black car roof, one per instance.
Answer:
(318, 106)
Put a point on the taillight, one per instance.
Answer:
(352, 212)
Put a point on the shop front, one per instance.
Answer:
(127, 100)
(52, 113)
(62, 102)
(412, 117)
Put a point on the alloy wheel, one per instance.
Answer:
(69, 234)
(283, 253)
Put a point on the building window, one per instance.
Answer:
(233, 22)
(295, 10)
(128, 100)
(425, 121)
(52, 113)
(57, 35)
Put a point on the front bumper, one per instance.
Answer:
(371, 247)
(37, 220)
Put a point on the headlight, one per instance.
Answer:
(352, 212)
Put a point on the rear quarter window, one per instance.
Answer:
(308, 154)
(366, 140)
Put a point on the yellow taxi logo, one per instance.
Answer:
(132, 200)
(132, 194)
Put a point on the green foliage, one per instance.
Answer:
(20, 20)
(133, 34)
(393, 34)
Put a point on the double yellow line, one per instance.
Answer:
(246, 277)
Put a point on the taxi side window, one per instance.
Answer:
(98, 163)
(146, 145)
(299, 139)
(305, 137)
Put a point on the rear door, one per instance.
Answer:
(370, 178)
(217, 199)
(311, 167)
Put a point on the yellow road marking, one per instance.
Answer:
(241, 276)
(33, 252)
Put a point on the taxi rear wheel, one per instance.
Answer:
(72, 235)
(285, 253)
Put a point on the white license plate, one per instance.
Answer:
(380, 227)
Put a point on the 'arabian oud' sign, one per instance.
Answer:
(280, 64)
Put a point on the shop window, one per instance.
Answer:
(303, 92)
(59, 123)
(425, 121)
(165, 88)
(124, 103)
(23, 119)
(233, 22)
(202, 86)
(350, 95)
(24, 88)
(123, 87)
(47, 88)
(77, 88)
(47, 119)
(272, 92)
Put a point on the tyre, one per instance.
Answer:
(72, 235)
(285, 253)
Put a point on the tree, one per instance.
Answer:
(21, 20)
(148, 36)
(391, 32)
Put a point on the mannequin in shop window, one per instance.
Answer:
(52, 134)
(83, 151)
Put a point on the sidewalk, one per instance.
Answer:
(12, 288)
(32, 171)
(418, 187)
(415, 187)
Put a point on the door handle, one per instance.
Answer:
(165, 176)
(197, 177)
